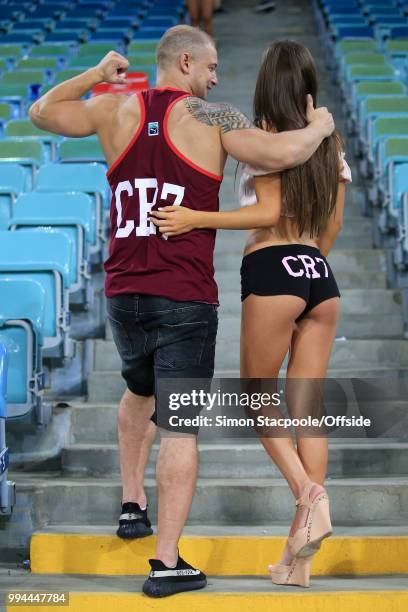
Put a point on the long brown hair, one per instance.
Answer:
(287, 74)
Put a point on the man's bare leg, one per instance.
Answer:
(136, 433)
(176, 474)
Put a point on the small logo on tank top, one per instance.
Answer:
(153, 128)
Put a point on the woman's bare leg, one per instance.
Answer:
(311, 347)
(207, 11)
(194, 8)
(267, 327)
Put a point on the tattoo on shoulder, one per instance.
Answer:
(221, 114)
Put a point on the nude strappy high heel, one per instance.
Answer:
(295, 574)
(306, 541)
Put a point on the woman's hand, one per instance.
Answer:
(175, 220)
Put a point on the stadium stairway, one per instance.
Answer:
(69, 498)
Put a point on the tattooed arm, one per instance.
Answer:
(248, 144)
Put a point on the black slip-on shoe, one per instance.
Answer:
(164, 581)
(133, 522)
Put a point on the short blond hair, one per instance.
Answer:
(179, 39)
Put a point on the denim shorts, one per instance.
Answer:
(161, 338)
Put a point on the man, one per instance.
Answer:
(165, 146)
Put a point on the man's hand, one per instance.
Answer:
(112, 68)
(175, 220)
(320, 116)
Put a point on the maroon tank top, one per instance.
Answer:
(152, 173)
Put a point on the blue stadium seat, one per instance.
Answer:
(391, 152)
(69, 37)
(45, 256)
(159, 22)
(22, 313)
(7, 488)
(354, 32)
(28, 154)
(399, 32)
(86, 178)
(13, 181)
(26, 130)
(68, 213)
(398, 187)
(147, 33)
(116, 37)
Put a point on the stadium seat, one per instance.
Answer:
(114, 23)
(22, 318)
(391, 151)
(86, 178)
(58, 50)
(48, 262)
(360, 72)
(69, 213)
(141, 59)
(366, 89)
(382, 128)
(7, 488)
(11, 51)
(373, 107)
(6, 112)
(373, 59)
(24, 77)
(153, 34)
(353, 32)
(399, 32)
(24, 128)
(355, 45)
(64, 75)
(20, 38)
(47, 63)
(95, 49)
(16, 96)
(117, 38)
(29, 154)
(144, 46)
(80, 150)
(398, 186)
(13, 181)
(84, 61)
(68, 37)
(159, 21)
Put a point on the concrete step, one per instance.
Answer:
(242, 459)
(229, 280)
(361, 353)
(220, 501)
(350, 261)
(118, 593)
(109, 386)
(222, 551)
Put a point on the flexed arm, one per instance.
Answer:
(61, 109)
(248, 144)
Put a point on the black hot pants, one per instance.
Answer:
(289, 269)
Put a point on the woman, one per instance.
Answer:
(290, 299)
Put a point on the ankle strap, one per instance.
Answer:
(304, 499)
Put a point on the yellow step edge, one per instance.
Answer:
(215, 555)
(334, 601)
